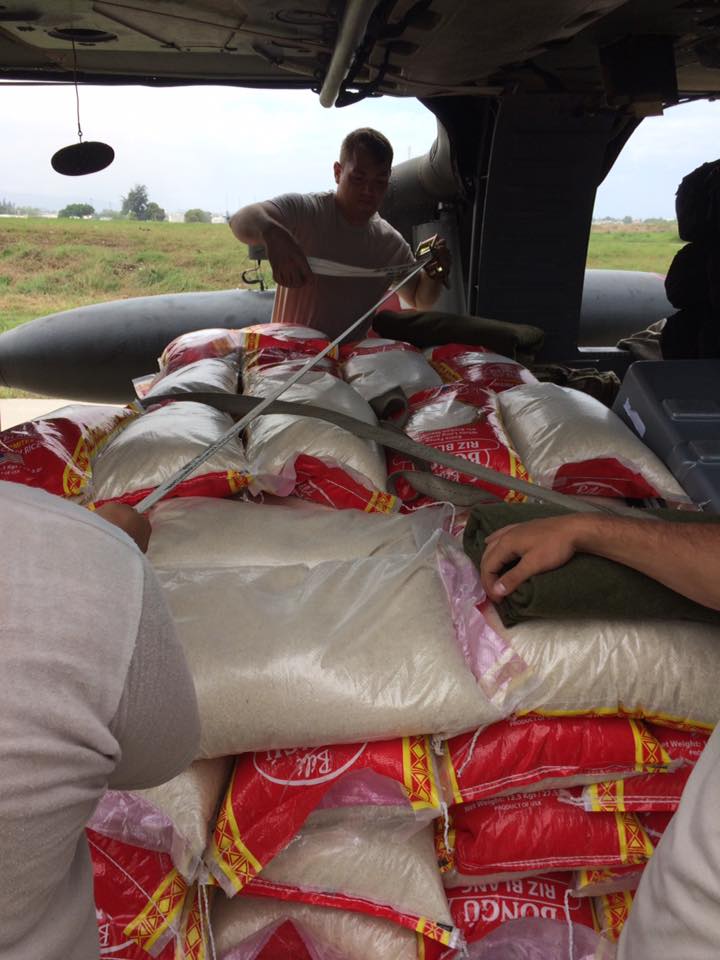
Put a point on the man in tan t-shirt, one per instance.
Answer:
(95, 693)
(341, 226)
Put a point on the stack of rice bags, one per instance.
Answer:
(543, 805)
(329, 647)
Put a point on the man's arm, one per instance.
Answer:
(258, 224)
(423, 290)
(683, 556)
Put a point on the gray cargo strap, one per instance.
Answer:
(395, 440)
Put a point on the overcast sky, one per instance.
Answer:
(219, 148)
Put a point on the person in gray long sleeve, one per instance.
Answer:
(96, 693)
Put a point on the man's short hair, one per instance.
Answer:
(372, 141)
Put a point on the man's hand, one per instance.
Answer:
(538, 545)
(441, 264)
(289, 264)
(134, 524)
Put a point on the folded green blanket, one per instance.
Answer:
(430, 328)
(586, 587)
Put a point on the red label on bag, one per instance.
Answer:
(478, 910)
(268, 344)
(684, 745)
(55, 454)
(655, 824)
(198, 345)
(272, 793)
(537, 832)
(519, 753)
(455, 361)
(438, 932)
(221, 483)
(319, 482)
(460, 419)
(612, 911)
(139, 898)
(601, 477)
(656, 791)
(591, 883)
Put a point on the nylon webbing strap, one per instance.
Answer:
(184, 472)
(329, 268)
(394, 440)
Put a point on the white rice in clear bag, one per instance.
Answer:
(336, 653)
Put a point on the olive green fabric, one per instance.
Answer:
(586, 586)
(432, 328)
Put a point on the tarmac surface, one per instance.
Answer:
(13, 412)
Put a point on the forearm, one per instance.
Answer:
(253, 224)
(422, 292)
(682, 556)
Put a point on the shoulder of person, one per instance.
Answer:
(396, 244)
(30, 505)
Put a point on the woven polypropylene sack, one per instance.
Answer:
(275, 441)
(356, 853)
(354, 935)
(571, 442)
(208, 532)
(176, 817)
(57, 453)
(667, 671)
(215, 375)
(198, 345)
(158, 443)
(335, 653)
(375, 366)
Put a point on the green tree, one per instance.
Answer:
(77, 210)
(196, 215)
(135, 204)
(6, 206)
(154, 212)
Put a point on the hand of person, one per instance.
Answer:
(289, 264)
(537, 545)
(441, 264)
(135, 525)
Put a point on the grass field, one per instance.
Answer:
(52, 265)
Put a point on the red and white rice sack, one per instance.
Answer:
(598, 883)
(571, 442)
(139, 900)
(525, 754)
(272, 794)
(376, 366)
(268, 346)
(57, 453)
(666, 671)
(478, 910)
(334, 934)
(159, 442)
(533, 833)
(317, 641)
(198, 345)
(321, 461)
(354, 859)
(455, 361)
(460, 419)
(214, 375)
(176, 818)
(654, 791)
(202, 531)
